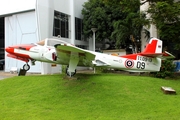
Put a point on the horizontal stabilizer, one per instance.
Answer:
(167, 55)
(164, 55)
(154, 49)
(152, 54)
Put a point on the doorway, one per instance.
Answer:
(2, 43)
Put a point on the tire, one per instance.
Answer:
(68, 73)
(26, 67)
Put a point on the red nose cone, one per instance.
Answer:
(9, 49)
(27, 47)
(19, 52)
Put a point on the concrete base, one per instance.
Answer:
(168, 90)
(22, 72)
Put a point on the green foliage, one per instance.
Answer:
(64, 67)
(103, 70)
(165, 15)
(167, 69)
(131, 25)
(115, 20)
(101, 16)
(90, 97)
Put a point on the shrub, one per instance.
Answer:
(102, 69)
(167, 69)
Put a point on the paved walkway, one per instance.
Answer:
(6, 75)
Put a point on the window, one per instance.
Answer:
(42, 42)
(61, 24)
(82, 46)
(52, 42)
(78, 29)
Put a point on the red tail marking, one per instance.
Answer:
(151, 48)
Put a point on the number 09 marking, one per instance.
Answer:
(140, 65)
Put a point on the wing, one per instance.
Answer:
(164, 55)
(69, 54)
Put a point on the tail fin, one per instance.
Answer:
(154, 49)
(154, 46)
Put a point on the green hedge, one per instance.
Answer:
(167, 69)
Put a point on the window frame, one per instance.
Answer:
(61, 24)
(79, 29)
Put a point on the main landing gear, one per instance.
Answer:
(26, 67)
(70, 73)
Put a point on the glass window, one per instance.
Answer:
(82, 46)
(52, 42)
(42, 42)
(78, 29)
(61, 24)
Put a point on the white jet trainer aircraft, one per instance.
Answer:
(59, 52)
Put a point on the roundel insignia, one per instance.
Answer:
(129, 63)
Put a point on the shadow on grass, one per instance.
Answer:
(81, 80)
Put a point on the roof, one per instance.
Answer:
(8, 7)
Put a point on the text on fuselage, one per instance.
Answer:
(143, 58)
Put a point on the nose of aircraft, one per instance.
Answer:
(9, 49)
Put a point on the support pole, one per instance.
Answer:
(94, 46)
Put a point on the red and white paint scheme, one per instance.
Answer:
(59, 52)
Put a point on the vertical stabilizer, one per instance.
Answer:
(154, 46)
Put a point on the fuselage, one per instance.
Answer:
(45, 51)
(133, 63)
(57, 51)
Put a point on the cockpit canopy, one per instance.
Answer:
(50, 42)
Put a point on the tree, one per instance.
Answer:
(99, 15)
(128, 30)
(165, 15)
(116, 20)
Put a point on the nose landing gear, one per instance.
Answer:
(22, 72)
(26, 67)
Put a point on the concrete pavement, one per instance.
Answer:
(4, 75)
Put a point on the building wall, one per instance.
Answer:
(45, 15)
(152, 29)
(20, 29)
(45, 19)
(78, 6)
(32, 21)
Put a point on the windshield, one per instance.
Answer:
(50, 42)
(42, 42)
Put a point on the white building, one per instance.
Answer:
(29, 21)
(152, 29)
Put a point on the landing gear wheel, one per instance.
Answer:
(26, 67)
(70, 73)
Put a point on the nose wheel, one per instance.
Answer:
(26, 67)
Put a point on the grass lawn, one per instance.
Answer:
(90, 97)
